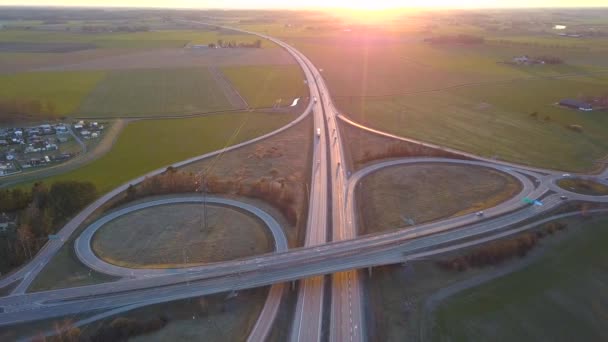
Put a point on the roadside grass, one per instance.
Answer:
(427, 192)
(285, 158)
(558, 297)
(63, 90)
(401, 312)
(583, 186)
(175, 236)
(149, 144)
(262, 86)
(154, 92)
(64, 271)
(482, 120)
(217, 317)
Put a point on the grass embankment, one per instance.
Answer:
(583, 186)
(263, 86)
(428, 192)
(405, 312)
(146, 145)
(558, 297)
(154, 93)
(175, 236)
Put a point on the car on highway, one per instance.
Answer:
(318, 132)
(479, 213)
(563, 197)
(314, 99)
(566, 175)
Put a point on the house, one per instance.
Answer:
(6, 221)
(576, 104)
(521, 60)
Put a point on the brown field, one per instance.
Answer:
(167, 58)
(583, 186)
(284, 158)
(428, 192)
(170, 235)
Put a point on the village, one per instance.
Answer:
(23, 148)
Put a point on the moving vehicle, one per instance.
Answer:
(563, 197)
(479, 213)
(318, 132)
(314, 98)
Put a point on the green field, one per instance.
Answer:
(151, 39)
(64, 90)
(483, 120)
(560, 297)
(154, 92)
(146, 145)
(262, 86)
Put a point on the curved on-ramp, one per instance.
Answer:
(85, 253)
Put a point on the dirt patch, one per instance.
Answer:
(414, 194)
(233, 96)
(283, 159)
(169, 235)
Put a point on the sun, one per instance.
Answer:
(366, 5)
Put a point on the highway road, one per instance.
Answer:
(344, 253)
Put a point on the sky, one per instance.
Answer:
(295, 4)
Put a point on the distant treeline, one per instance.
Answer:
(234, 44)
(121, 28)
(458, 39)
(38, 213)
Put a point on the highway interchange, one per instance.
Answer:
(331, 247)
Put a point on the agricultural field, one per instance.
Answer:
(584, 186)
(176, 236)
(427, 192)
(154, 92)
(56, 94)
(263, 86)
(385, 75)
(525, 127)
(565, 285)
(146, 145)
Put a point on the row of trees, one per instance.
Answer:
(39, 212)
(497, 252)
(403, 149)
(278, 192)
(234, 44)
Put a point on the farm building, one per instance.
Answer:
(576, 104)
